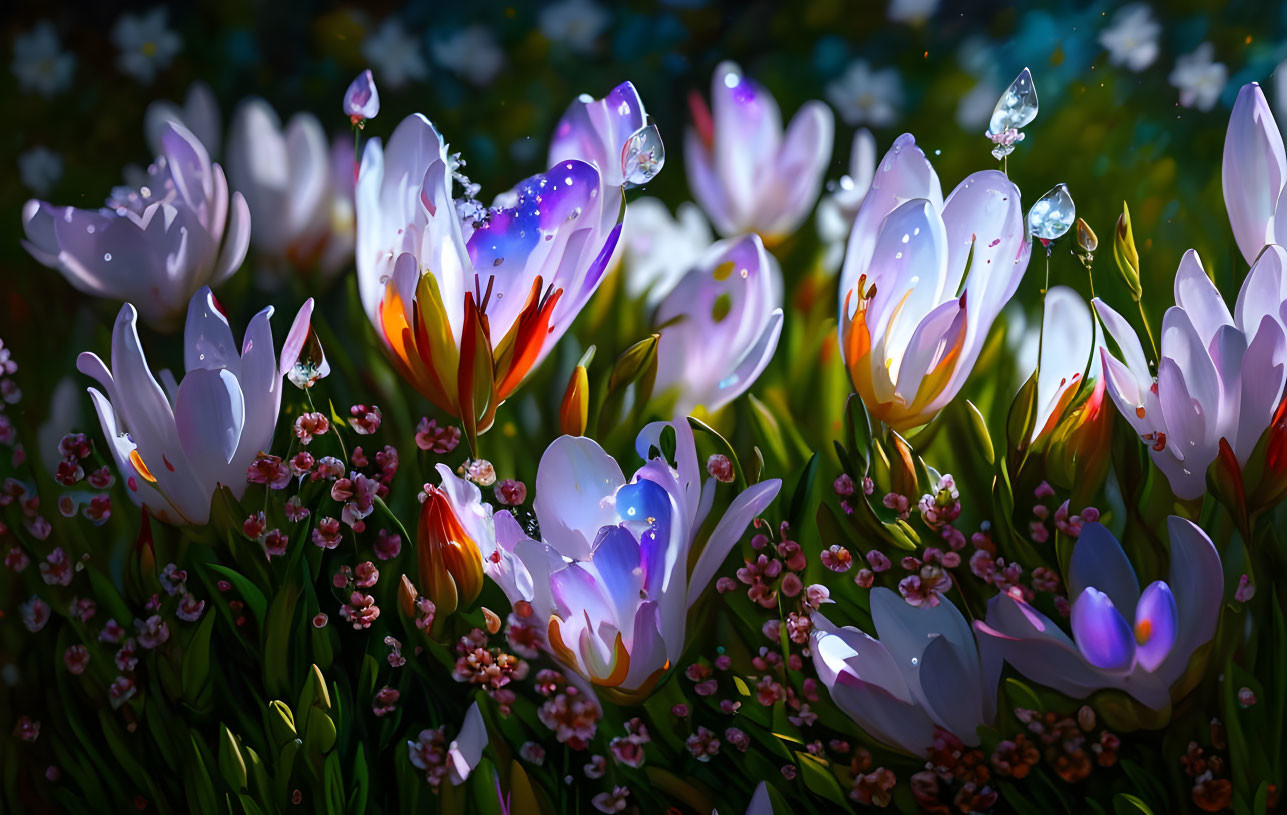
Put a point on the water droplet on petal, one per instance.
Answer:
(643, 156)
(1052, 215)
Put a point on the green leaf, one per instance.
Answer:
(981, 435)
(723, 447)
(803, 493)
(277, 637)
(819, 779)
(1020, 422)
(231, 763)
(361, 782)
(249, 592)
(1127, 804)
(1020, 695)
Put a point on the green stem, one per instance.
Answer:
(1147, 329)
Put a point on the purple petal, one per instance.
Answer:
(1196, 580)
(1099, 561)
(207, 339)
(574, 483)
(595, 131)
(749, 503)
(362, 99)
(1255, 167)
(1156, 621)
(1262, 384)
(1198, 296)
(1102, 634)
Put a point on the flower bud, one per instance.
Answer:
(575, 411)
(407, 596)
(1086, 239)
(451, 567)
(362, 100)
(1127, 257)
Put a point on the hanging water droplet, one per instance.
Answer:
(643, 156)
(1016, 108)
(1052, 215)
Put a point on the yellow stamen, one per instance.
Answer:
(137, 461)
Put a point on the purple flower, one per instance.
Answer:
(908, 340)
(175, 445)
(611, 573)
(924, 672)
(362, 99)
(720, 325)
(1219, 377)
(744, 171)
(1136, 641)
(155, 246)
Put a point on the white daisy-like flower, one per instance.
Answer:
(395, 54)
(1200, 78)
(39, 169)
(576, 24)
(40, 63)
(1131, 40)
(470, 52)
(866, 96)
(146, 43)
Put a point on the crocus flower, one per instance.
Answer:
(299, 194)
(1254, 174)
(1136, 641)
(469, 300)
(658, 248)
(745, 172)
(925, 671)
(612, 134)
(175, 443)
(362, 99)
(153, 247)
(610, 581)
(1220, 375)
(909, 342)
(719, 326)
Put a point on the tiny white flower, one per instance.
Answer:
(470, 52)
(912, 11)
(394, 54)
(40, 168)
(1199, 78)
(658, 248)
(864, 96)
(146, 43)
(1132, 38)
(574, 23)
(40, 63)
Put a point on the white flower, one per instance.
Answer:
(146, 43)
(40, 63)
(199, 114)
(659, 248)
(864, 96)
(1132, 38)
(1199, 78)
(40, 168)
(574, 23)
(394, 54)
(470, 52)
(912, 11)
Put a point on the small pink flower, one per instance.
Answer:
(121, 691)
(738, 738)
(126, 656)
(69, 472)
(301, 464)
(725, 584)
(326, 533)
(360, 610)
(173, 579)
(1044, 579)
(152, 631)
(425, 610)
(843, 485)
(342, 578)
(387, 544)
(27, 728)
(532, 753)
(703, 744)
(82, 609)
(792, 584)
(16, 559)
(1043, 491)
(1245, 591)
(56, 570)
(34, 614)
(75, 445)
(295, 509)
(253, 526)
(511, 493)
(366, 420)
(615, 801)
(680, 711)
(1246, 697)
(319, 620)
(481, 472)
(66, 506)
(899, 503)
(270, 470)
(112, 632)
(76, 658)
(837, 558)
(101, 478)
(386, 701)
(596, 767)
(434, 439)
(190, 608)
(878, 561)
(275, 543)
(367, 574)
(310, 425)
(720, 468)
(38, 527)
(815, 595)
